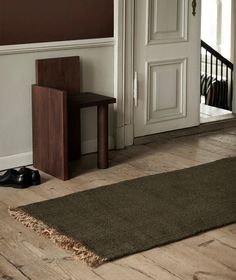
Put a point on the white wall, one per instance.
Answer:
(17, 73)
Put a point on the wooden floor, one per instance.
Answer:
(25, 255)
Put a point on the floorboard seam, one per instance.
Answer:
(16, 267)
(163, 268)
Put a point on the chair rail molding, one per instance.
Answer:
(123, 71)
(52, 46)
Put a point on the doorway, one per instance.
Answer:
(126, 50)
(217, 57)
(166, 65)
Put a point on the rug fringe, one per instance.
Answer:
(78, 250)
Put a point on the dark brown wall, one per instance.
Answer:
(31, 21)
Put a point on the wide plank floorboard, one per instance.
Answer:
(212, 255)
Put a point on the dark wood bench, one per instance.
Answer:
(56, 104)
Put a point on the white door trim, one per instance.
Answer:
(123, 71)
(234, 39)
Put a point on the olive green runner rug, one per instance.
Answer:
(113, 221)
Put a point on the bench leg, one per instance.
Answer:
(103, 136)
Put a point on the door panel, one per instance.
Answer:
(166, 90)
(167, 60)
(167, 21)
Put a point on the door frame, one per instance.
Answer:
(124, 70)
(234, 40)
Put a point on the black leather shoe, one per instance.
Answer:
(34, 174)
(15, 179)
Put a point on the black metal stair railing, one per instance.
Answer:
(216, 78)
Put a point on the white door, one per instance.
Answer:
(167, 65)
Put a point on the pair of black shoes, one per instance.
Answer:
(23, 178)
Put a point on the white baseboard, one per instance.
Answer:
(16, 161)
(120, 137)
(27, 158)
(129, 135)
(124, 136)
(90, 146)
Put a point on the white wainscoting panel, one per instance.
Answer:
(17, 74)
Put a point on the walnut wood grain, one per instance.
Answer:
(89, 99)
(62, 73)
(103, 136)
(50, 133)
(74, 130)
(57, 101)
